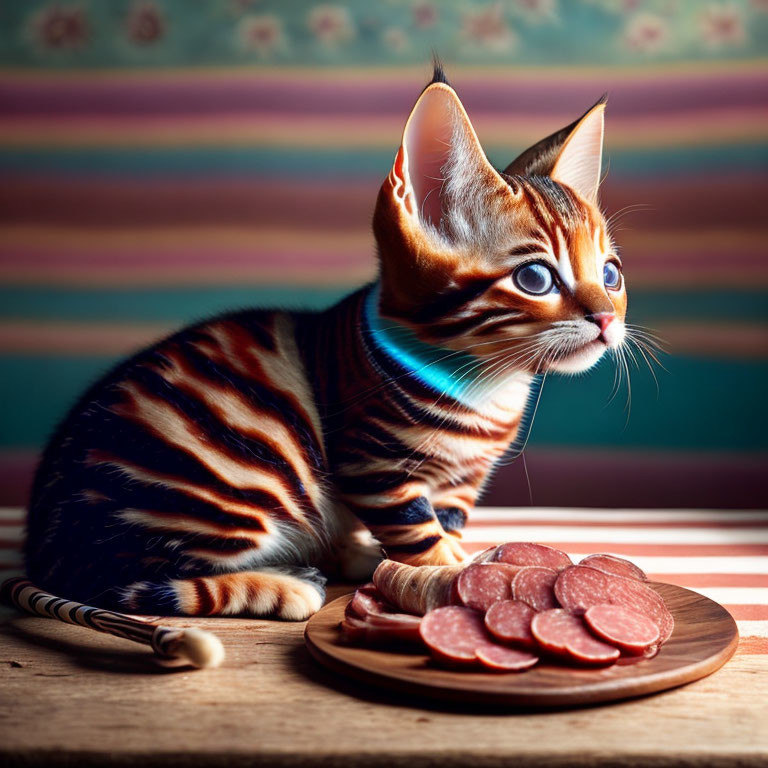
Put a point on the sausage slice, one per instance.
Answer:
(578, 588)
(528, 553)
(453, 634)
(628, 630)
(503, 659)
(510, 622)
(617, 566)
(564, 634)
(480, 585)
(535, 585)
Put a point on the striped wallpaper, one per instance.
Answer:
(140, 192)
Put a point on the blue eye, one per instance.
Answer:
(534, 278)
(611, 275)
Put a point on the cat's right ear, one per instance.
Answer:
(439, 156)
(437, 198)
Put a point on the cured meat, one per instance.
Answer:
(416, 589)
(651, 651)
(454, 633)
(419, 589)
(614, 565)
(366, 600)
(502, 659)
(369, 619)
(628, 630)
(528, 553)
(510, 622)
(564, 634)
(355, 630)
(534, 585)
(393, 629)
(579, 587)
(480, 585)
(485, 555)
(510, 602)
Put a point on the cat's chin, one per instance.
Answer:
(581, 360)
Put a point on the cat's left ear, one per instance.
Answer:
(571, 156)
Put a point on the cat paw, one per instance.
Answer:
(448, 551)
(292, 594)
(298, 600)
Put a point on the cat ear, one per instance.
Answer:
(572, 156)
(440, 154)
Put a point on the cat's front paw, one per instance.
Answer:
(298, 600)
(447, 551)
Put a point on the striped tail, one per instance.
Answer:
(174, 646)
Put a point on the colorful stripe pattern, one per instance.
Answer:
(150, 182)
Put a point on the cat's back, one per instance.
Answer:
(211, 427)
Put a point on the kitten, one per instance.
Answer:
(211, 473)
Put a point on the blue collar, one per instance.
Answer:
(445, 371)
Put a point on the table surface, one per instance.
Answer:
(70, 695)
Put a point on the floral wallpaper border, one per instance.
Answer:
(151, 33)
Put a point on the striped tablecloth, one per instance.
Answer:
(721, 554)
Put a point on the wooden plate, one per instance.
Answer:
(705, 637)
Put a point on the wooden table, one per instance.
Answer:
(69, 696)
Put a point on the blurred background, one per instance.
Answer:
(163, 160)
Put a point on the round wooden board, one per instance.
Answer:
(705, 637)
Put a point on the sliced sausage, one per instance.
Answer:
(618, 566)
(393, 629)
(528, 553)
(564, 634)
(578, 588)
(485, 555)
(354, 629)
(480, 585)
(368, 618)
(618, 625)
(535, 585)
(651, 651)
(453, 634)
(641, 598)
(416, 588)
(503, 659)
(510, 622)
(366, 600)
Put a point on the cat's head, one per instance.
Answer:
(515, 266)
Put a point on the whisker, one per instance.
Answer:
(628, 406)
(625, 211)
(617, 376)
(648, 363)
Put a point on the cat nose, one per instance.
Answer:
(601, 319)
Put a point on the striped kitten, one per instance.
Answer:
(216, 471)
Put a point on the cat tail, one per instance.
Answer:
(173, 646)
